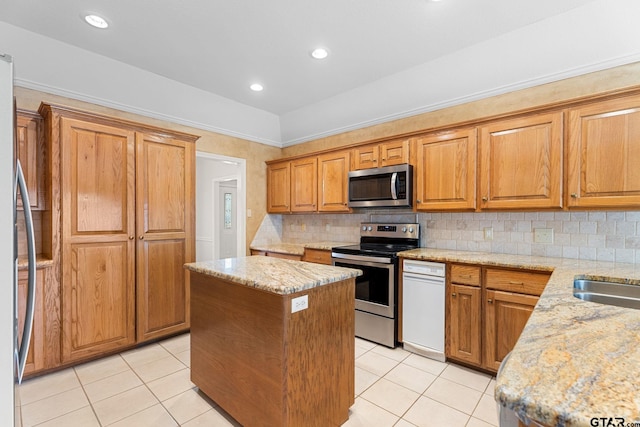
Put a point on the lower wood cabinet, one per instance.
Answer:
(484, 315)
(506, 315)
(319, 256)
(36, 356)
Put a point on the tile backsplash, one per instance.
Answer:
(593, 235)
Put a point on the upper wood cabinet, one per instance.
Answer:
(304, 185)
(603, 154)
(446, 170)
(385, 153)
(292, 186)
(279, 187)
(126, 208)
(333, 174)
(31, 153)
(520, 163)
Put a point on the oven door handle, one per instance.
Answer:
(394, 185)
(361, 259)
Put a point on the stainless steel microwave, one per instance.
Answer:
(389, 186)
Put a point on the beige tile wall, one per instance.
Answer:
(595, 235)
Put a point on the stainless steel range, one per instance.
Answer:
(377, 288)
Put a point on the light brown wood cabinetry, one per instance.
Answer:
(520, 163)
(165, 221)
(304, 184)
(506, 315)
(488, 308)
(603, 154)
(279, 187)
(386, 153)
(308, 184)
(465, 319)
(446, 170)
(126, 215)
(319, 256)
(333, 174)
(98, 246)
(35, 357)
(31, 153)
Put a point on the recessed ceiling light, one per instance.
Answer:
(96, 21)
(256, 87)
(320, 53)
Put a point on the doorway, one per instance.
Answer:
(220, 206)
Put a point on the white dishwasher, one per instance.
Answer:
(423, 308)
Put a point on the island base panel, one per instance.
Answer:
(267, 366)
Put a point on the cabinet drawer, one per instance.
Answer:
(284, 256)
(465, 274)
(318, 256)
(524, 282)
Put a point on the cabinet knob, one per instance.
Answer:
(453, 294)
(490, 301)
(130, 237)
(574, 195)
(485, 199)
(141, 237)
(419, 201)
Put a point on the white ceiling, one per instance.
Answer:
(221, 46)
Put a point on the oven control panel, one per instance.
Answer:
(407, 231)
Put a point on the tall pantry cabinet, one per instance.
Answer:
(123, 202)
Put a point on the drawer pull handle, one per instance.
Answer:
(513, 282)
(465, 276)
(490, 301)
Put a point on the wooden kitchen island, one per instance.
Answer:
(272, 340)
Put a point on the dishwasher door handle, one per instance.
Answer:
(434, 280)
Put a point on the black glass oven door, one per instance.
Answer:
(375, 291)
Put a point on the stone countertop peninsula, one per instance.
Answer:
(275, 275)
(297, 248)
(575, 360)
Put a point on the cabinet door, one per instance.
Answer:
(365, 157)
(446, 171)
(465, 324)
(394, 152)
(35, 357)
(333, 175)
(31, 152)
(506, 315)
(278, 187)
(304, 185)
(603, 154)
(165, 176)
(521, 163)
(98, 288)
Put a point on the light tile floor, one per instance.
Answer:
(150, 386)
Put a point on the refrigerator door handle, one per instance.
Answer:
(31, 286)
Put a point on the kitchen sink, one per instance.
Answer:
(618, 294)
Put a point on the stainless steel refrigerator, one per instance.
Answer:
(13, 351)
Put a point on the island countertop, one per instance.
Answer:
(575, 360)
(275, 275)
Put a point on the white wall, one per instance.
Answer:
(54, 67)
(596, 36)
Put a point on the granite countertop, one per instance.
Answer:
(297, 248)
(575, 360)
(276, 275)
